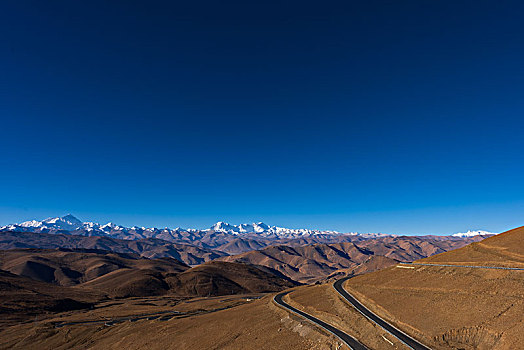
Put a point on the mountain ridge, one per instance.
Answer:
(256, 230)
(317, 262)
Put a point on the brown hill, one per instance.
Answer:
(125, 275)
(502, 249)
(316, 262)
(40, 282)
(221, 278)
(240, 245)
(148, 248)
(235, 245)
(241, 322)
(73, 267)
(210, 279)
(409, 248)
(455, 307)
(373, 263)
(22, 297)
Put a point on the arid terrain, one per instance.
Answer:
(147, 247)
(318, 262)
(35, 283)
(232, 322)
(98, 299)
(126, 275)
(455, 307)
(261, 175)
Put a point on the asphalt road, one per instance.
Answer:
(351, 342)
(397, 333)
(160, 316)
(470, 266)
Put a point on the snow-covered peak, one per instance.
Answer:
(223, 227)
(32, 223)
(75, 226)
(67, 222)
(261, 229)
(473, 233)
(71, 224)
(256, 230)
(64, 223)
(72, 219)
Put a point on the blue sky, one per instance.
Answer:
(382, 116)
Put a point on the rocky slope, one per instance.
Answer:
(147, 248)
(128, 275)
(470, 308)
(224, 237)
(316, 262)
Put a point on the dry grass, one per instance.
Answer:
(246, 323)
(323, 302)
(455, 307)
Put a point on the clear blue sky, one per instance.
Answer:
(382, 116)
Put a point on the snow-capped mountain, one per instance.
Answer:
(473, 233)
(70, 224)
(220, 232)
(64, 223)
(261, 229)
(222, 237)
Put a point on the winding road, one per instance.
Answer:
(351, 342)
(469, 266)
(397, 333)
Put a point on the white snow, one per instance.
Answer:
(473, 233)
(258, 229)
(32, 223)
(264, 230)
(71, 223)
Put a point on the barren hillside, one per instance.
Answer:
(457, 307)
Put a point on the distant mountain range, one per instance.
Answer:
(72, 225)
(298, 259)
(224, 237)
(473, 233)
(317, 262)
(150, 248)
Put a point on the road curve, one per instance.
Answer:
(397, 333)
(469, 266)
(351, 342)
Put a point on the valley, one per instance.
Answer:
(65, 290)
(261, 175)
